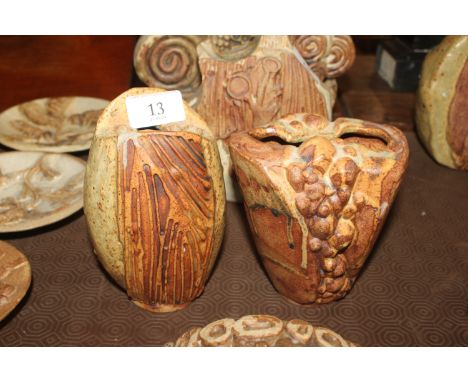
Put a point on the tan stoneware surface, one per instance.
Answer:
(238, 82)
(316, 195)
(260, 330)
(60, 124)
(37, 189)
(155, 205)
(15, 278)
(442, 103)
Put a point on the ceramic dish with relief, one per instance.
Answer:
(15, 278)
(60, 124)
(260, 330)
(37, 189)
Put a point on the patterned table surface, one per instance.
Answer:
(412, 291)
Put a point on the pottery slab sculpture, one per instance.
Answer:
(15, 278)
(238, 82)
(37, 189)
(260, 330)
(57, 124)
(154, 204)
(442, 103)
(316, 203)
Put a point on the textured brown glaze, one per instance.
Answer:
(253, 90)
(442, 102)
(169, 62)
(154, 202)
(457, 130)
(260, 330)
(327, 56)
(239, 82)
(168, 207)
(315, 210)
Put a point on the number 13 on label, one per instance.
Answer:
(155, 109)
(159, 108)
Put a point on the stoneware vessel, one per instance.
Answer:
(260, 330)
(316, 201)
(154, 204)
(37, 189)
(57, 124)
(238, 82)
(442, 103)
(15, 278)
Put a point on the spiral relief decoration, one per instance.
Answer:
(341, 56)
(169, 62)
(327, 56)
(313, 49)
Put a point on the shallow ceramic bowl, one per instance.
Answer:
(15, 278)
(260, 330)
(37, 189)
(61, 124)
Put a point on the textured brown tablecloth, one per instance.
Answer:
(412, 291)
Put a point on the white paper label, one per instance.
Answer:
(155, 109)
(387, 67)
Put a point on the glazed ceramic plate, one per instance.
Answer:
(15, 278)
(61, 124)
(37, 189)
(260, 330)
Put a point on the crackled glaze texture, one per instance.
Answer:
(154, 203)
(442, 102)
(315, 210)
(260, 330)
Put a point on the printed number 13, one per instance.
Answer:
(159, 109)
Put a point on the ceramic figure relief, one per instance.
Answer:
(442, 103)
(260, 330)
(317, 202)
(154, 204)
(247, 81)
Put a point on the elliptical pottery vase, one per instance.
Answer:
(154, 202)
(442, 103)
(316, 203)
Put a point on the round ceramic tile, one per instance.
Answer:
(15, 278)
(37, 189)
(62, 124)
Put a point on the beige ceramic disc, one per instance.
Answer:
(260, 330)
(15, 277)
(62, 124)
(37, 189)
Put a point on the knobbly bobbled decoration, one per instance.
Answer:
(233, 47)
(248, 81)
(260, 330)
(315, 210)
(442, 103)
(154, 204)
